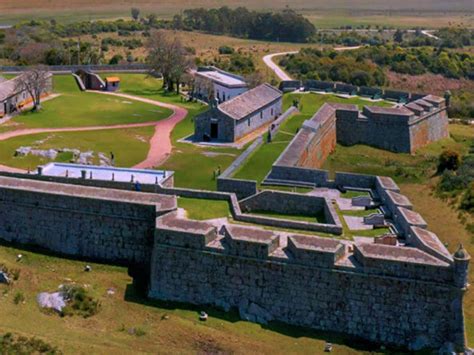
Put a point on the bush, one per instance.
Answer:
(449, 160)
(116, 59)
(467, 202)
(11, 344)
(226, 50)
(19, 298)
(79, 302)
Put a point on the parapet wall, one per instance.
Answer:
(78, 224)
(407, 299)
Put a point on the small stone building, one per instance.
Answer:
(112, 83)
(11, 100)
(90, 80)
(236, 118)
(222, 85)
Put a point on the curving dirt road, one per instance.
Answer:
(160, 143)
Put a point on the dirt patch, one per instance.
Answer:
(209, 346)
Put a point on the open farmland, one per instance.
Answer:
(323, 13)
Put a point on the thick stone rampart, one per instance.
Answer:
(78, 221)
(407, 300)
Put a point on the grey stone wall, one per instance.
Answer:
(283, 203)
(295, 174)
(391, 310)
(242, 188)
(112, 231)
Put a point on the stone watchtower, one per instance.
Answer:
(461, 273)
(461, 267)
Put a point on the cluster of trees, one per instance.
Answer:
(348, 38)
(461, 104)
(417, 61)
(455, 37)
(333, 66)
(236, 62)
(128, 43)
(457, 177)
(286, 26)
(414, 61)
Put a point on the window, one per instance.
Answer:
(248, 122)
(272, 111)
(261, 114)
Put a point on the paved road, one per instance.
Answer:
(160, 143)
(282, 75)
(268, 60)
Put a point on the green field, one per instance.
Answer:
(130, 146)
(74, 108)
(324, 14)
(260, 162)
(204, 209)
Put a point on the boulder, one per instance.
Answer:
(4, 279)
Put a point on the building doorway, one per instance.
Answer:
(214, 130)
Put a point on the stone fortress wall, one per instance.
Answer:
(409, 295)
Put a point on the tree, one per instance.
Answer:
(254, 79)
(398, 36)
(168, 56)
(35, 82)
(135, 13)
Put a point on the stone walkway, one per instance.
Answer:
(160, 143)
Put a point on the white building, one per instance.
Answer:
(225, 86)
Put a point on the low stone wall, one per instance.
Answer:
(302, 175)
(355, 180)
(242, 188)
(237, 163)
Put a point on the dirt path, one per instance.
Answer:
(160, 143)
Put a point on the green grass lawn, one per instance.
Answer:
(204, 209)
(193, 165)
(130, 146)
(257, 166)
(401, 167)
(78, 109)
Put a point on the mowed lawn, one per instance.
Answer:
(260, 162)
(74, 108)
(193, 165)
(130, 146)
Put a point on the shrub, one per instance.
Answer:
(19, 298)
(449, 160)
(467, 202)
(226, 50)
(79, 302)
(11, 344)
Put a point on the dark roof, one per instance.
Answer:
(250, 101)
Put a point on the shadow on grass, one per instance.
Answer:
(136, 294)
